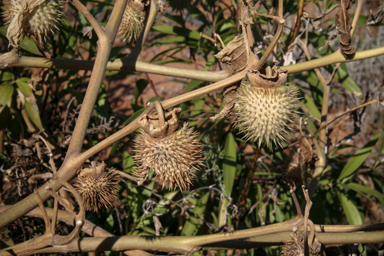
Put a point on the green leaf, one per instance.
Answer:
(177, 31)
(350, 210)
(6, 92)
(358, 159)
(141, 84)
(128, 161)
(347, 82)
(364, 189)
(310, 106)
(229, 164)
(33, 115)
(5, 76)
(191, 226)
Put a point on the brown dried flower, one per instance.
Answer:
(97, 186)
(169, 151)
(38, 18)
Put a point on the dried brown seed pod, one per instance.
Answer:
(133, 21)
(97, 186)
(295, 246)
(264, 106)
(169, 151)
(38, 18)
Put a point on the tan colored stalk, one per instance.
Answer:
(208, 76)
(188, 244)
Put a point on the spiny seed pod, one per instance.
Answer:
(179, 5)
(97, 186)
(38, 18)
(169, 151)
(133, 21)
(295, 246)
(264, 106)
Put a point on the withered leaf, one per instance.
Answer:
(235, 54)
(343, 24)
(376, 17)
(301, 165)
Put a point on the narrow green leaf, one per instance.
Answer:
(6, 92)
(141, 84)
(350, 210)
(348, 83)
(358, 158)
(229, 164)
(310, 106)
(129, 163)
(177, 31)
(192, 225)
(364, 189)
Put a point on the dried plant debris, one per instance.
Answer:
(39, 18)
(343, 24)
(171, 152)
(301, 167)
(25, 168)
(97, 185)
(376, 17)
(295, 246)
(237, 54)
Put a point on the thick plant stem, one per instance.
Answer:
(132, 65)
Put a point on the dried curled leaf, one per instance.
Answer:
(237, 54)
(343, 24)
(299, 170)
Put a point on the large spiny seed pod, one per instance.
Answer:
(179, 5)
(97, 186)
(264, 106)
(39, 18)
(169, 151)
(133, 21)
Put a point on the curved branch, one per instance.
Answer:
(131, 65)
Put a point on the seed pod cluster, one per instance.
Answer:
(169, 150)
(39, 18)
(264, 106)
(97, 186)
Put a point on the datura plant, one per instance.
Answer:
(171, 150)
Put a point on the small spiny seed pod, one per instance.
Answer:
(97, 186)
(179, 5)
(39, 18)
(133, 21)
(264, 106)
(169, 151)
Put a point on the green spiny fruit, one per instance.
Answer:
(38, 18)
(263, 113)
